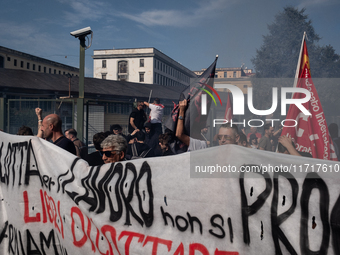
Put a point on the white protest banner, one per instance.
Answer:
(53, 203)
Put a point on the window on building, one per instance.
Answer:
(22, 64)
(55, 71)
(122, 70)
(225, 75)
(15, 62)
(44, 69)
(141, 62)
(118, 108)
(39, 68)
(33, 67)
(8, 58)
(49, 70)
(59, 72)
(28, 65)
(2, 60)
(104, 76)
(245, 86)
(103, 63)
(141, 77)
(234, 75)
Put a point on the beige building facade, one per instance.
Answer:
(12, 59)
(141, 65)
(232, 75)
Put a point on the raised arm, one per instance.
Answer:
(38, 112)
(180, 123)
(287, 142)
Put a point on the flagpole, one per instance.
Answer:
(298, 67)
(297, 72)
(149, 100)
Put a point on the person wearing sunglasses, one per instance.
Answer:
(228, 134)
(114, 149)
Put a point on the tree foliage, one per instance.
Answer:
(278, 56)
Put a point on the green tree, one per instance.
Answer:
(278, 56)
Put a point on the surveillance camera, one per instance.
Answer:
(82, 32)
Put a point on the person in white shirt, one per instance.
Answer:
(156, 115)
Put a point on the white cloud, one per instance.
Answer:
(29, 39)
(83, 10)
(19, 31)
(179, 18)
(159, 17)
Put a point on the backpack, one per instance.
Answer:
(135, 152)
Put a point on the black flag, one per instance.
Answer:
(193, 94)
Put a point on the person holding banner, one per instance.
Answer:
(51, 130)
(114, 149)
(95, 158)
(287, 146)
(228, 134)
(81, 148)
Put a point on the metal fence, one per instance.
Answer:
(22, 112)
(99, 115)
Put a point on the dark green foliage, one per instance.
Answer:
(278, 56)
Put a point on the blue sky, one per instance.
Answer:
(191, 32)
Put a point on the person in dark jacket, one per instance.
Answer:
(51, 130)
(138, 149)
(137, 118)
(164, 145)
(96, 158)
(81, 147)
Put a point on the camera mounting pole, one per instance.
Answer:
(81, 35)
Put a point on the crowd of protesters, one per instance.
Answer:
(146, 138)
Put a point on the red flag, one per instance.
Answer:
(311, 133)
(228, 110)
